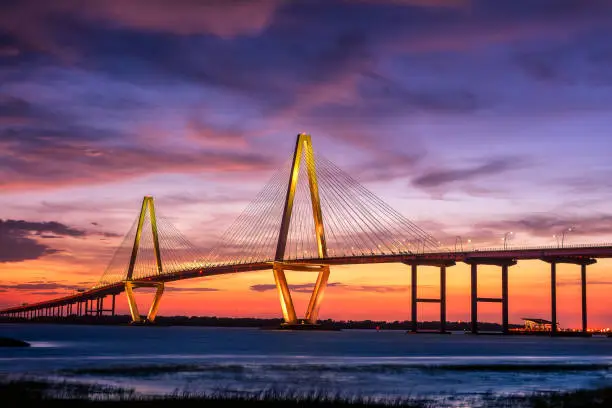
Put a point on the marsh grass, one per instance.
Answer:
(30, 392)
(21, 393)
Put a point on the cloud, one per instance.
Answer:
(421, 3)
(194, 289)
(544, 226)
(442, 177)
(308, 288)
(255, 66)
(583, 60)
(19, 239)
(589, 282)
(72, 148)
(30, 286)
(39, 228)
(14, 110)
(225, 19)
(210, 136)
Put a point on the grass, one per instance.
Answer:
(43, 394)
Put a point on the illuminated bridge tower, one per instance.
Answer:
(130, 284)
(303, 151)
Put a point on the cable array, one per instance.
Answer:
(356, 223)
(176, 252)
(116, 269)
(253, 236)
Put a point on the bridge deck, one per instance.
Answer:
(575, 252)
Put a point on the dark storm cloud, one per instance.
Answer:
(437, 178)
(308, 288)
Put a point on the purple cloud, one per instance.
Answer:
(442, 177)
(308, 288)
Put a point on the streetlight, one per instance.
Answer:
(570, 229)
(469, 242)
(506, 237)
(459, 240)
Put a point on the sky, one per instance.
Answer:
(470, 118)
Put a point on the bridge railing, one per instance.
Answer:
(527, 248)
(207, 265)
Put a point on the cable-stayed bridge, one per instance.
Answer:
(310, 216)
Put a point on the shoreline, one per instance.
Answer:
(426, 327)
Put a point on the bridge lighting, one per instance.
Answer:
(470, 242)
(459, 240)
(505, 239)
(570, 229)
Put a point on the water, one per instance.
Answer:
(350, 362)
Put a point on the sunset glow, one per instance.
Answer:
(487, 124)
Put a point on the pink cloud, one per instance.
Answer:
(228, 18)
(206, 135)
(65, 165)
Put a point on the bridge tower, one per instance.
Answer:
(303, 151)
(130, 284)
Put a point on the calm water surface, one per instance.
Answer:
(349, 362)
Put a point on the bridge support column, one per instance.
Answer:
(303, 151)
(553, 297)
(113, 305)
(287, 307)
(129, 291)
(583, 262)
(413, 300)
(583, 292)
(442, 299)
(442, 264)
(504, 299)
(474, 298)
(505, 326)
(130, 284)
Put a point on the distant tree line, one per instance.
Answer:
(213, 321)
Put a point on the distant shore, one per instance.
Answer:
(212, 321)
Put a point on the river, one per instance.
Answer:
(383, 364)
